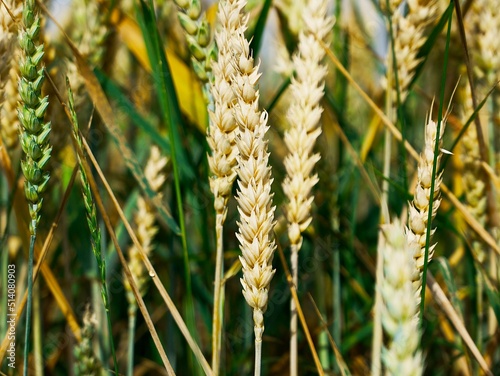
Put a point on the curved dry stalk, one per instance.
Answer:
(151, 271)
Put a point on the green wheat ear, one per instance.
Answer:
(34, 134)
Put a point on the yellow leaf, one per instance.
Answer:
(187, 86)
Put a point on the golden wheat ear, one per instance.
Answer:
(400, 306)
(416, 231)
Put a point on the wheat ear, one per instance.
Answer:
(222, 141)
(10, 12)
(400, 307)
(254, 195)
(34, 135)
(86, 363)
(91, 214)
(146, 231)
(409, 36)
(484, 21)
(416, 231)
(201, 47)
(307, 87)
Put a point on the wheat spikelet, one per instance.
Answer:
(400, 308)
(254, 196)
(416, 231)
(145, 222)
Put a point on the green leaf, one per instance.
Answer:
(113, 91)
(258, 33)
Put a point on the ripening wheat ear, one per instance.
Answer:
(254, 196)
(400, 305)
(409, 36)
(8, 71)
(86, 362)
(34, 135)
(145, 222)
(222, 141)
(416, 231)
(146, 231)
(304, 115)
(202, 48)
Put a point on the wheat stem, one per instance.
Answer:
(95, 230)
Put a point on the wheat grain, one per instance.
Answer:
(399, 312)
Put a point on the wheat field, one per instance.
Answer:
(236, 187)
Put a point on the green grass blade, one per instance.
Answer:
(445, 269)
(171, 112)
(430, 42)
(112, 90)
(258, 33)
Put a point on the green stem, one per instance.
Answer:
(29, 304)
(434, 172)
(132, 319)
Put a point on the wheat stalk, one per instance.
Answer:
(221, 138)
(307, 87)
(400, 308)
(254, 196)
